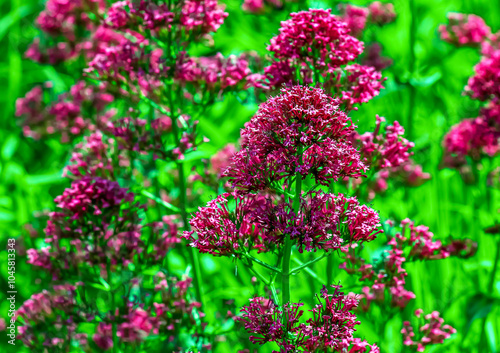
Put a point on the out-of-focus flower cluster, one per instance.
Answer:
(331, 327)
(432, 332)
(386, 277)
(475, 137)
(463, 29)
(72, 114)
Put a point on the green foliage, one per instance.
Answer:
(30, 171)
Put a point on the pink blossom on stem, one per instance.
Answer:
(464, 29)
(318, 37)
(430, 333)
(300, 131)
(355, 17)
(381, 13)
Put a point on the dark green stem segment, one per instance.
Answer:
(287, 251)
(193, 255)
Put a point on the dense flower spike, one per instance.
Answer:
(221, 231)
(464, 29)
(331, 326)
(373, 58)
(52, 318)
(432, 332)
(300, 131)
(317, 37)
(202, 16)
(92, 158)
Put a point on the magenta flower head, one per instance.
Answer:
(464, 29)
(356, 84)
(432, 332)
(300, 131)
(355, 17)
(485, 84)
(224, 230)
(472, 137)
(330, 328)
(324, 221)
(381, 13)
(316, 37)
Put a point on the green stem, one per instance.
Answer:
(307, 264)
(287, 251)
(310, 272)
(193, 255)
(262, 263)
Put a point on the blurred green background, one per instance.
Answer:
(423, 92)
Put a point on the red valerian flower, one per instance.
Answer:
(300, 131)
(331, 327)
(472, 137)
(484, 85)
(381, 13)
(324, 221)
(355, 17)
(384, 149)
(432, 332)
(318, 37)
(464, 29)
(221, 231)
(357, 84)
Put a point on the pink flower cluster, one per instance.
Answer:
(372, 57)
(484, 84)
(418, 244)
(215, 73)
(357, 84)
(324, 221)
(471, 137)
(81, 109)
(388, 153)
(57, 313)
(477, 137)
(432, 332)
(358, 17)
(331, 326)
(92, 158)
(464, 29)
(316, 37)
(197, 16)
(312, 47)
(300, 131)
(66, 25)
(97, 222)
(384, 149)
(381, 13)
